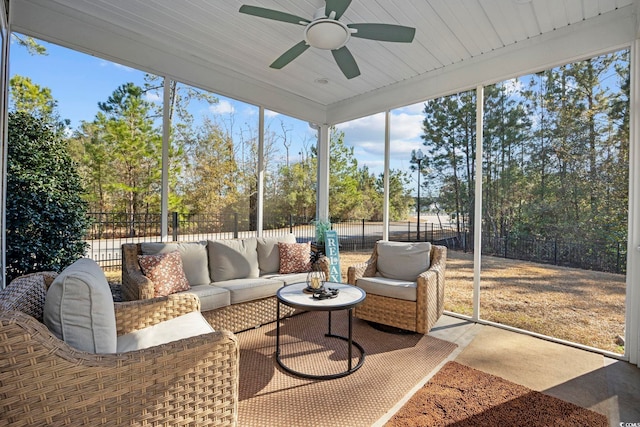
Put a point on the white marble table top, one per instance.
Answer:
(348, 297)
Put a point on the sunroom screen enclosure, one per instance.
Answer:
(459, 46)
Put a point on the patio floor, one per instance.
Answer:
(587, 379)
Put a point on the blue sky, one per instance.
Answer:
(79, 81)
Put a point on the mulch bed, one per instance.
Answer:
(462, 396)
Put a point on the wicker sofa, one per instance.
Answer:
(45, 381)
(236, 280)
(402, 294)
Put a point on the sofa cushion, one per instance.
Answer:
(287, 279)
(211, 297)
(243, 290)
(403, 261)
(268, 253)
(195, 261)
(233, 259)
(165, 271)
(185, 326)
(392, 288)
(294, 257)
(79, 309)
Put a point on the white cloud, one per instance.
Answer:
(410, 109)
(152, 97)
(366, 135)
(104, 63)
(222, 107)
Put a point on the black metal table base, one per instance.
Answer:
(351, 343)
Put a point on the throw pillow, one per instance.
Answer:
(294, 257)
(195, 261)
(79, 309)
(165, 271)
(268, 255)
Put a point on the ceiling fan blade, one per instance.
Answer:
(337, 6)
(346, 62)
(276, 15)
(384, 32)
(290, 55)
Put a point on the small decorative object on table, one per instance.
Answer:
(326, 293)
(315, 277)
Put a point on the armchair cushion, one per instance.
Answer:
(233, 259)
(403, 261)
(185, 326)
(392, 288)
(78, 308)
(195, 261)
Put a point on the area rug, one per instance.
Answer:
(462, 396)
(394, 364)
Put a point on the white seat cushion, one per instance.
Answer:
(287, 279)
(79, 309)
(210, 296)
(185, 326)
(392, 288)
(403, 261)
(243, 290)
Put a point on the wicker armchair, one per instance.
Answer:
(419, 315)
(44, 381)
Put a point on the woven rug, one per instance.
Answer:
(462, 396)
(394, 364)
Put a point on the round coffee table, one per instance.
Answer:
(348, 298)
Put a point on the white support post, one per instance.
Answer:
(632, 317)
(260, 183)
(477, 220)
(322, 195)
(4, 119)
(387, 155)
(166, 132)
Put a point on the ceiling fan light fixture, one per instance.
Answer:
(327, 34)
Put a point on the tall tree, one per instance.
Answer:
(449, 137)
(344, 197)
(123, 149)
(213, 177)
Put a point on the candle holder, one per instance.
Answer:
(315, 277)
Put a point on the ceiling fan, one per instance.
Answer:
(326, 32)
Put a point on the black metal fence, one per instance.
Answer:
(109, 231)
(600, 256)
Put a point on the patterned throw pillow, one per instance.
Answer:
(165, 271)
(294, 257)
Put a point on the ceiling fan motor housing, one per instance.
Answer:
(327, 34)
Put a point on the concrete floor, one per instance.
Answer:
(591, 380)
